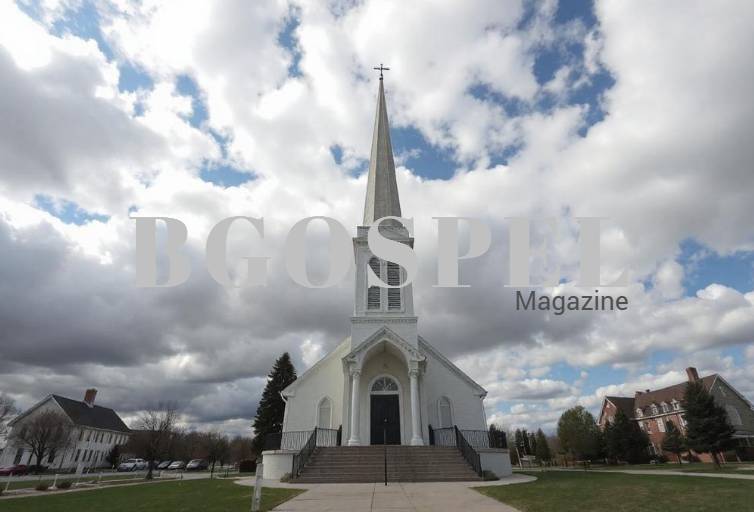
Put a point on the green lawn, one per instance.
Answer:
(586, 491)
(184, 496)
(694, 467)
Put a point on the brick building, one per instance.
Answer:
(653, 409)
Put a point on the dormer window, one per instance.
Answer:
(676, 405)
(665, 407)
(639, 412)
(655, 409)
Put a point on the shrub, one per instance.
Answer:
(489, 475)
(286, 477)
(42, 486)
(65, 484)
(247, 466)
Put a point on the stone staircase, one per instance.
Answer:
(352, 464)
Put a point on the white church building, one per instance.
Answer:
(384, 384)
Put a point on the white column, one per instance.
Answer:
(416, 429)
(354, 439)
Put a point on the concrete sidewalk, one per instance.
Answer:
(396, 497)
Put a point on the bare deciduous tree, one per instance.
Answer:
(45, 434)
(7, 410)
(156, 431)
(217, 448)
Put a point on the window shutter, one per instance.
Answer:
(393, 279)
(373, 293)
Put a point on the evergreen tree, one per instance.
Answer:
(578, 433)
(624, 440)
(543, 448)
(707, 426)
(269, 418)
(673, 441)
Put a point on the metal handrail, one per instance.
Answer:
(292, 440)
(485, 438)
(302, 457)
(468, 452)
(444, 436)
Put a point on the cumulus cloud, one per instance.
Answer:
(281, 83)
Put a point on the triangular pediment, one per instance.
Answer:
(384, 334)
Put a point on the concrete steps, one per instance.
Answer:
(353, 464)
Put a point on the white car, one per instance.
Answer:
(133, 465)
(177, 464)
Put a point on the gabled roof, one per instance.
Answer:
(675, 392)
(427, 347)
(94, 417)
(623, 403)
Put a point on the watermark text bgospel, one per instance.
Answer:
(341, 253)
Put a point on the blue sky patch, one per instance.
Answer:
(420, 156)
(67, 211)
(224, 175)
(289, 41)
(186, 86)
(703, 267)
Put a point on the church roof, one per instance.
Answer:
(382, 189)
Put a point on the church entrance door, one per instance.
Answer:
(386, 419)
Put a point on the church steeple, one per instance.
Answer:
(382, 189)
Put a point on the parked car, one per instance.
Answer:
(133, 465)
(14, 469)
(164, 464)
(197, 465)
(177, 464)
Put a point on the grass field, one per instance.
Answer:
(185, 496)
(586, 492)
(695, 467)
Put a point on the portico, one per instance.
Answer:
(384, 366)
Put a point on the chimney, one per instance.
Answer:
(692, 373)
(89, 397)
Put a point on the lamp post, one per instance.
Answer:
(384, 445)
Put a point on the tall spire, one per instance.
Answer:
(382, 189)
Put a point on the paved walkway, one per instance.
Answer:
(396, 497)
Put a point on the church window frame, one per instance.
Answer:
(444, 403)
(374, 293)
(327, 402)
(387, 384)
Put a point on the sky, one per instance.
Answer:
(637, 112)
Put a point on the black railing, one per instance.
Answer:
(443, 436)
(327, 437)
(468, 452)
(485, 438)
(302, 457)
(291, 440)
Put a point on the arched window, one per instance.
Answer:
(393, 279)
(735, 417)
(665, 407)
(373, 292)
(384, 385)
(655, 409)
(444, 413)
(324, 413)
(639, 412)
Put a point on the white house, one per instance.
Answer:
(96, 430)
(384, 383)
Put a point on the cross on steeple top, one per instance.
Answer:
(381, 69)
